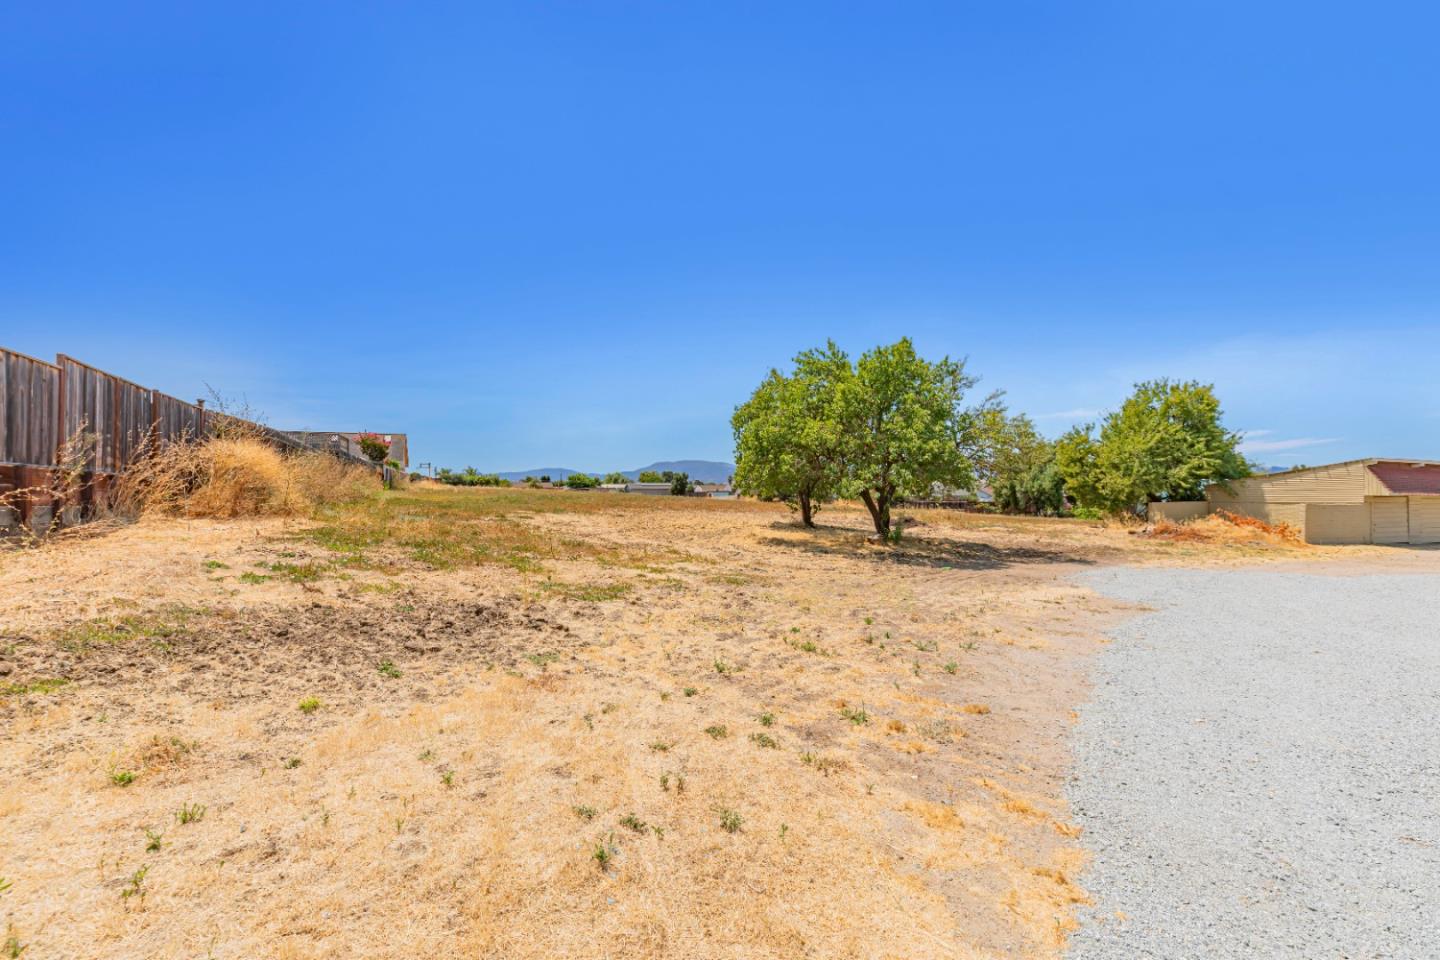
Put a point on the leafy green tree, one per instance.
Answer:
(1166, 442)
(901, 427)
(1012, 459)
(614, 477)
(787, 435)
(650, 476)
(680, 485)
(1039, 490)
(582, 481)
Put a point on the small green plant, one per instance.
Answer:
(634, 823)
(730, 820)
(216, 565)
(679, 779)
(690, 691)
(767, 719)
(387, 668)
(926, 646)
(250, 576)
(122, 778)
(951, 667)
(309, 705)
(764, 740)
(543, 660)
(135, 886)
(604, 852)
(13, 947)
(47, 685)
(5, 884)
(718, 731)
(153, 839)
(721, 667)
(584, 812)
(427, 755)
(448, 778)
(190, 813)
(291, 763)
(857, 717)
(661, 746)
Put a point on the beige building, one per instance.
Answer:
(1360, 501)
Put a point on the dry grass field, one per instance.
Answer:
(506, 723)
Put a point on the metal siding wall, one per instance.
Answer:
(1337, 523)
(1178, 511)
(1339, 483)
(1389, 520)
(1425, 519)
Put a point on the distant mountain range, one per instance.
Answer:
(705, 471)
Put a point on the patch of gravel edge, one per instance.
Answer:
(1258, 769)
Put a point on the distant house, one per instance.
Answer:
(714, 490)
(944, 494)
(649, 489)
(1360, 501)
(345, 441)
(613, 487)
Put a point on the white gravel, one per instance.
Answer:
(1258, 772)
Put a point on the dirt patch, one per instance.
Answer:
(704, 732)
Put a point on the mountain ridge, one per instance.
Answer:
(704, 471)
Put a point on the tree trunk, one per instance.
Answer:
(879, 512)
(807, 516)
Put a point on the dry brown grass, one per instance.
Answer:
(539, 644)
(1224, 527)
(237, 476)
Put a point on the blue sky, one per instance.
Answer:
(578, 233)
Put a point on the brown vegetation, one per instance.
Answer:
(237, 476)
(543, 723)
(1222, 526)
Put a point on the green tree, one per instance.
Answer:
(1166, 442)
(650, 476)
(614, 477)
(1012, 458)
(582, 481)
(787, 435)
(680, 485)
(1038, 490)
(901, 427)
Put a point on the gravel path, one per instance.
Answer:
(1258, 772)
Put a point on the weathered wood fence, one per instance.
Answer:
(45, 407)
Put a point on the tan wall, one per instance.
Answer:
(1340, 483)
(1179, 511)
(1291, 513)
(1425, 519)
(1337, 523)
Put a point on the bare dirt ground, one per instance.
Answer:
(516, 724)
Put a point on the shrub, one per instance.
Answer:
(236, 476)
(374, 447)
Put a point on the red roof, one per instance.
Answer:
(1400, 478)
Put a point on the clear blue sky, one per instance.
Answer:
(578, 233)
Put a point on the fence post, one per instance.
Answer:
(115, 463)
(60, 409)
(201, 405)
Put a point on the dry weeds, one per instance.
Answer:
(493, 671)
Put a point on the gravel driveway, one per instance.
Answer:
(1258, 772)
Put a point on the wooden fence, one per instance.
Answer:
(45, 406)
